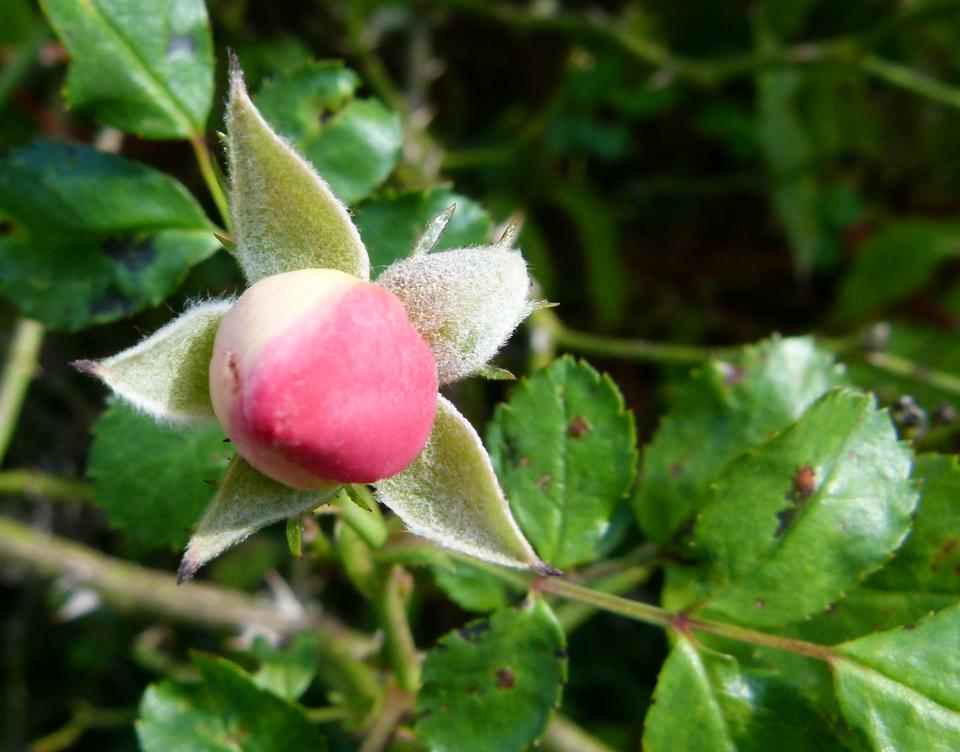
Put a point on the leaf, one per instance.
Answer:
(924, 575)
(353, 143)
(707, 702)
(450, 495)
(144, 66)
(287, 672)
(492, 684)
(93, 237)
(564, 447)
(228, 712)
(465, 303)
(166, 375)
(472, 588)
(726, 407)
(392, 222)
(599, 234)
(795, 523)
(150, 479)
(789, 157)
(896, 260)
(245, 501)
(899, 689)
(285, 217)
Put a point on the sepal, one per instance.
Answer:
(450, 495)
(465, 303)
(166, 375)
(285, 217)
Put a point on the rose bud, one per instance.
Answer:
(319, 378)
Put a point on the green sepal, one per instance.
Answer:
(167, 374)
(450, 495)
(285, 217)
(246, 501)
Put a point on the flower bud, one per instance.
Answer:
(319, 378)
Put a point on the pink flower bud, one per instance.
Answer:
(318, 378)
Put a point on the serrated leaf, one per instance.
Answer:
(246, 500)
(93, 237)
(392, 222)
(899, 689)
(492, 684)
(900, 257)
(144, 66)
(924, 575)
(707, 702)
(564, 447)
(227, 712)
(465, 303)
(450, 495)
(285, 216)
(353, 143)
(795, 523)
(152, 480)
(287, 672)
(167, 374)
(726, 407)
(472, 588)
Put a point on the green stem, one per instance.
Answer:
(33, 483)
(574, 613)
(19, 370)
(391, 606)
(910, 80)
(900, 366)
(366, 522)
(679, 622)
(85, 718)
(205, 162)
(396, 705)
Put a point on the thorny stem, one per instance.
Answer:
(18, 371)
(205, 162)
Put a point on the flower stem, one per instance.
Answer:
(33, 483)
(205, 162)
(19, 370)
(391, 606)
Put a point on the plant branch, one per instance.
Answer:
(18, 371)
(563, 735)
(205, 162)
(34, 483)
(130, 587)
(680, 622)
(390, 603)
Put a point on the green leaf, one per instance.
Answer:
(564, 447)
(391, 223)
(465, 303)
(492, 684)
(726, 407)
(285, 217)
(899, 258)
(228, 712)
(924, 574)
(246, 501)
(707, 702)
(353, 143)
(899, 689)
(152, 480)
(167, 374)
(450, 495)
(93, 237)
(795, 523)
(472, 588)
(144, 66)
(287, 672)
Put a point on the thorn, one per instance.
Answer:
(87, 366)
(187, 569)
(227, 441)
(512, 231)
